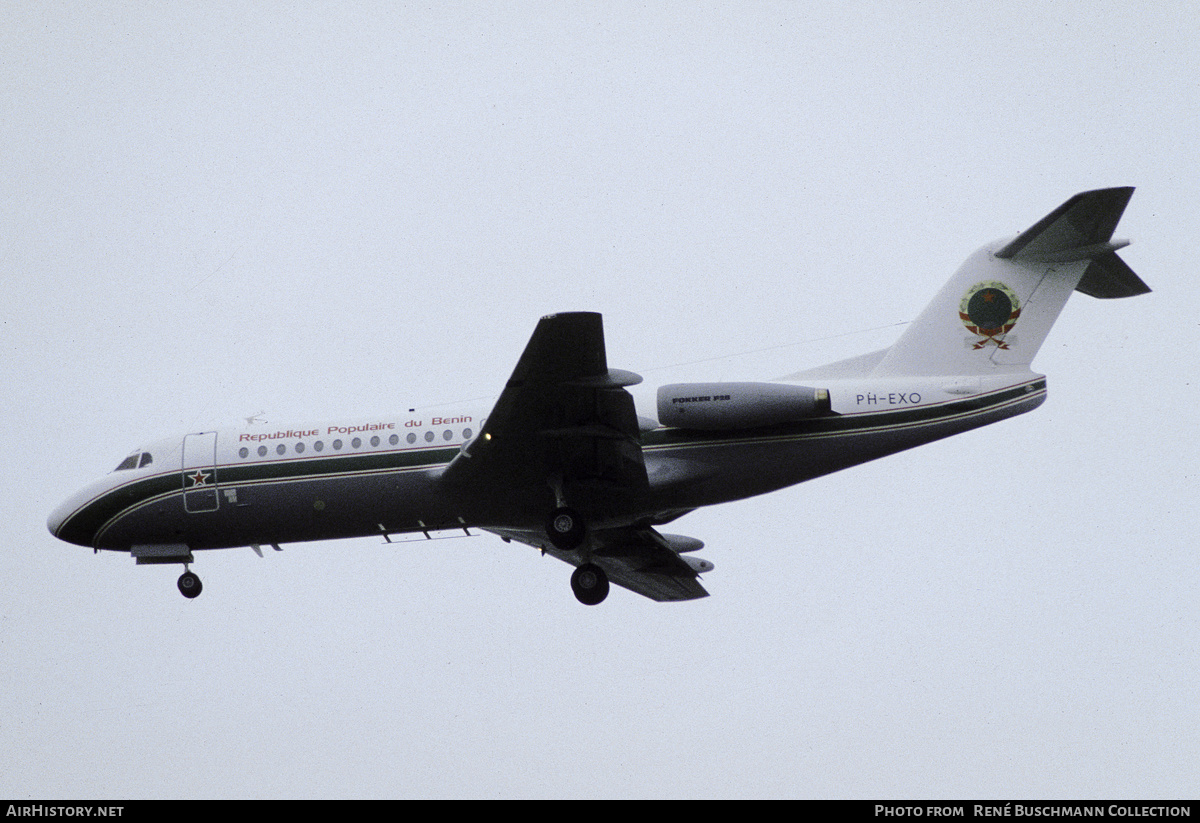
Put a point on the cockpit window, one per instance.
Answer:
(130, 462)
(136, 460)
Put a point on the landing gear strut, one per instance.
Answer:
(189, 584)
(565, 528)
(590, 584)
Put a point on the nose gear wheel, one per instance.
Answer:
(190, 585)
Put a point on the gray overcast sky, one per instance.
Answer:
(309, 210)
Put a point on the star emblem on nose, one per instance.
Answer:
(200, 478)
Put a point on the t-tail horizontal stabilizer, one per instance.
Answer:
(996, 311)
(1081, 229)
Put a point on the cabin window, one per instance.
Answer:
(356, 443)
(394, 439)
(412, 438)
(280, 449)
(318, 446)
(243, 452)
(262, 451)
(299, 448)
(466, 434)
(375, 440)
(447, 434)
(428, 437)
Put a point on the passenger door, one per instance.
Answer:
(200, 472)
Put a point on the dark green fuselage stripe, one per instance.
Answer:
(90, 519)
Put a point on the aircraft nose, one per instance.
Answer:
(58, 526)
(56, 519)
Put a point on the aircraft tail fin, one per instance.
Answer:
(996, 311)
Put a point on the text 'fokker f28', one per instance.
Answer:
(565, 462)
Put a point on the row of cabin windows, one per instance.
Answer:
(139, 460)
(355, 443)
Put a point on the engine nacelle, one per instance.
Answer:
(738, 405)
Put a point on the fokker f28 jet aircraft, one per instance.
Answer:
(565, 462)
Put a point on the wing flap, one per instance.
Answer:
(641, 560)
(637, 558)
(660, 588)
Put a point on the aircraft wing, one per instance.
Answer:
(565, 420)
(637, 558)
(563, 417)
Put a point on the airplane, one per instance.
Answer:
(566, 462)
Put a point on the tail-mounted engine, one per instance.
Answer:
(738, 405)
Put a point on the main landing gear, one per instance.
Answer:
(566, 532)
(565, 529)
(590, 584)
(189, 584)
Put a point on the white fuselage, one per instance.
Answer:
(381, 475)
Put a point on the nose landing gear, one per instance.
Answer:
(189, 584)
